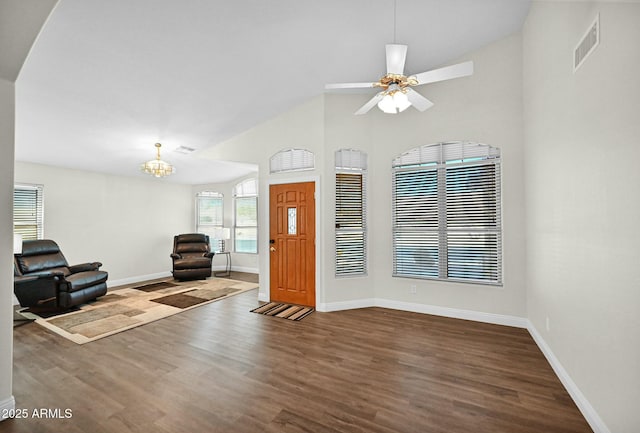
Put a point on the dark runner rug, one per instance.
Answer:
(194, 297)
(284, 311)
(155, 286)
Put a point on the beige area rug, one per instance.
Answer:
(127, 308)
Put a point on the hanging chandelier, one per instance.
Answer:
(157, 167)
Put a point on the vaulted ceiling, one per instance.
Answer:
(106, 80)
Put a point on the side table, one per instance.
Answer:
(227, 269)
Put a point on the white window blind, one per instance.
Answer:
(248, 187)
(210, 216)
(350, 213)
(210, 209)
(292, 160)
(446, 152)
(246, 217)
(28, 211)
(351, 159)
(447, 214)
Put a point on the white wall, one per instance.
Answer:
(126, 223)
(343, 130)
(20, 21)
(486, 108)
(581, 163)
(301, 128)
(7, 122)
(241, 262)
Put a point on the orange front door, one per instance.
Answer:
(292, 238)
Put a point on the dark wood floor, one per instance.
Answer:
(243, 276)
(220, 368)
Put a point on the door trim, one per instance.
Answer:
(318, 239)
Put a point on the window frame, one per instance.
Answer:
(39, 210)
(354, 237)
(210, 229)
(291, 160)
(442, 217)
(245, 190)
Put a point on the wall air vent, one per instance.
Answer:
(587, 44)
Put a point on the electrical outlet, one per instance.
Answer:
(547, 324)
(412, 289)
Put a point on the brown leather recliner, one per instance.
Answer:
(43, 278)
(191, 256)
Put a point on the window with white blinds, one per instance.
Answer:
(292, 160)
(210, 216)
(248, 187)
(350, 213)
(28, 211)
(246, 217)
(446, 213)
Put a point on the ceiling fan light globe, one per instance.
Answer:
(387, 105)
(401, 101)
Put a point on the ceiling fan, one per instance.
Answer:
(397, 94)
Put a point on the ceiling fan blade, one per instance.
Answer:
(348, 85)
(446, 73)
(418, 101)
(396, 55)
(370, 104)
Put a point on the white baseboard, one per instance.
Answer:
(245, 269)
(346, 305)
(7, 406)
(496, 319)
(137, 279)
(220, 268)
(589, 413)
(263, 297)
(477, 316)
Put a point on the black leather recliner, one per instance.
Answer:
(43, 278)
(191, 256)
